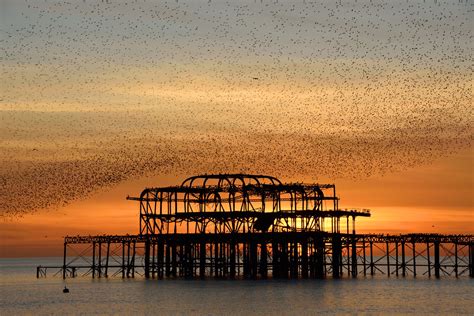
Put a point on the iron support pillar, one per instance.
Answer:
(336, 255)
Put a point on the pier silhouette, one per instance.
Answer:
(235, 226)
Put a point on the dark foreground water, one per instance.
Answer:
(22, 293)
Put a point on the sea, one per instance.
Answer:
(21, 293)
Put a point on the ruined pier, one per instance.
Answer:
(236, 226)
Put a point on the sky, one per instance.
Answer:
(100, 99)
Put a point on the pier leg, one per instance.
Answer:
(93, 259)
(232, 260)
(336, 255)
(216, 260)
(133, 258)
(429, 258)
(253, 260)
(263, 260)
(396, 258)
(147, 259)
(294, 260)
(174, 269)
(403, 259)
(319, 257)
(160, 260)
(304, 259)
(364, 262)
(354, 258)
(275, 260)
(123, 260)
(456, 259)
(436, 255)
(284, 259)
(348, 250)
(188, 261)
(202, 260)
(128, 258)
(64, 261)
(99, 266)
(471, 260)
(388, 258)
(107, 260)
(414, 259)
(371, 258)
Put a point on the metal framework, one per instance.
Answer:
(234, 203)
(255, 226)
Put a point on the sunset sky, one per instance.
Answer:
(99, 99)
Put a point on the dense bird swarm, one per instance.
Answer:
(97, 92)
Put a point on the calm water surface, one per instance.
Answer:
(21, 293)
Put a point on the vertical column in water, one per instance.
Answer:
(202, 259)
(263, 259)
(160, 260)
(93, 259)
(319, 263)
(336, 255)
(64, 260)
(436, 258)
(354, 257)
(107, 260)
(304, 258)
(123, 259)
(275, 260)
(284, 259)
(471, 260)
(253, 259)
(147, 258)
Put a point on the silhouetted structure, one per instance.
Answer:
(254, 226)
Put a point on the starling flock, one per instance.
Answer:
(94, 93)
